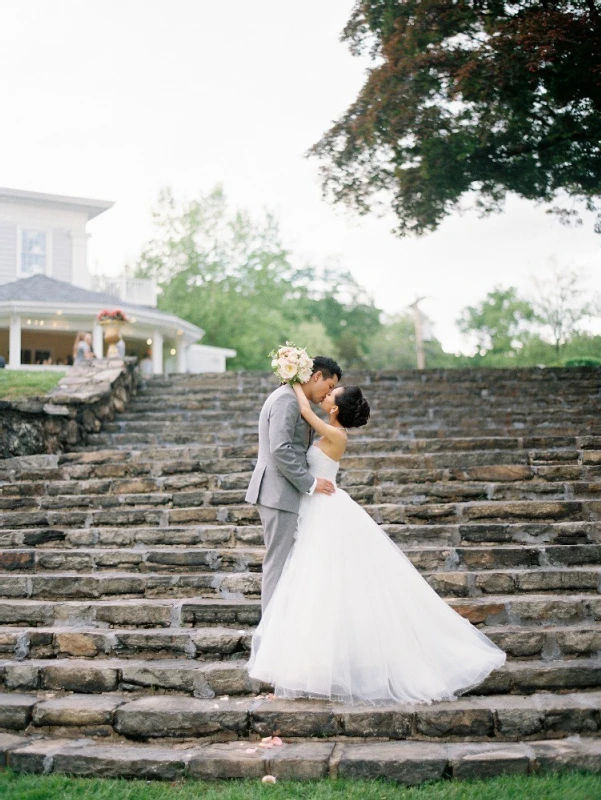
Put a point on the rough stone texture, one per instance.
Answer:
(80, 677)
(304, 761)
(77, 710)
(402, 762)
(37, 756)
(573, 753)
(93, 760)
(181, 717)
(296, 717)
(15, 710)
(9, 742)
(130, 576)
(227, 760)
(84, 398)
(468, 761)
(393, 723)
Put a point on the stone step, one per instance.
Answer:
(131, 568)
(403, 762)
(494, 717)
(420, 412)
(486, 391)
(503, 409)
(489, 611)
(174, 463)
(425, 412)
(551, 642)
(144, 493)
(242, 559)
(570, 479)
(378, 438)
(204, 644)
(458, 491)
(171, 437)
(556, 376)
(406, 535)
(408, 400)
(152, 510)
(383, 397)
(220, 432)
(395, 454)
(452, 583)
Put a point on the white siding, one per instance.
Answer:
(59, 223)
(61, 255)
(8, 252)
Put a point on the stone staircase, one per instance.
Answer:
(130, 580)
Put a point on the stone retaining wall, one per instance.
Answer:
(61, 420)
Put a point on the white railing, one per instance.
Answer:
(139, 291)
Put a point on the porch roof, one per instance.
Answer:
(41, 294)
(92, 207)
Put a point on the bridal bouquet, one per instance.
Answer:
(291, 363)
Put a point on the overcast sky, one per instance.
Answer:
(118, 98)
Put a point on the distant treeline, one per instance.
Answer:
(232, 276)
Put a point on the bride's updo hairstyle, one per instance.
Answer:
(353, 408)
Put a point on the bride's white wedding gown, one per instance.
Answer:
(352, 620)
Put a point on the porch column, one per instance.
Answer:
(180, 349)
(157, 352)
(98, 340)
(14, 342)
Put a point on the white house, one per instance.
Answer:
(46, 292)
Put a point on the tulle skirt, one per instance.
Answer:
(352, 620)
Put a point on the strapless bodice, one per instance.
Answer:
(321, 465)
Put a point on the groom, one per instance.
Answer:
(281, 475)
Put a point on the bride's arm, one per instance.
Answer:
(329, 431)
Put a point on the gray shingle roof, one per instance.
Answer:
(41, 288)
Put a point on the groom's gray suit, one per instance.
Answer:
(280, 478)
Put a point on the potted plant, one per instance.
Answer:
(112, 322)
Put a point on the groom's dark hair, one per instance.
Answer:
(327, 366)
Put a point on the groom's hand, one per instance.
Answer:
(324, 486)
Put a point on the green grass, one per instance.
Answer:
(19, 383)
(566, 786)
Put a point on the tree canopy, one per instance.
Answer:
(231, 275)
(545, 328)
(498, 321)
(481, 96)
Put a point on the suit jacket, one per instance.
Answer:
(281, 474)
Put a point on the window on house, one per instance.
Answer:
(33, 252)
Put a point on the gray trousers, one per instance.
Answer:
(278, 532)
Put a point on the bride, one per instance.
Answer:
(351, 619)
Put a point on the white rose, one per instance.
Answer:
(287, 371)
(304, 375)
